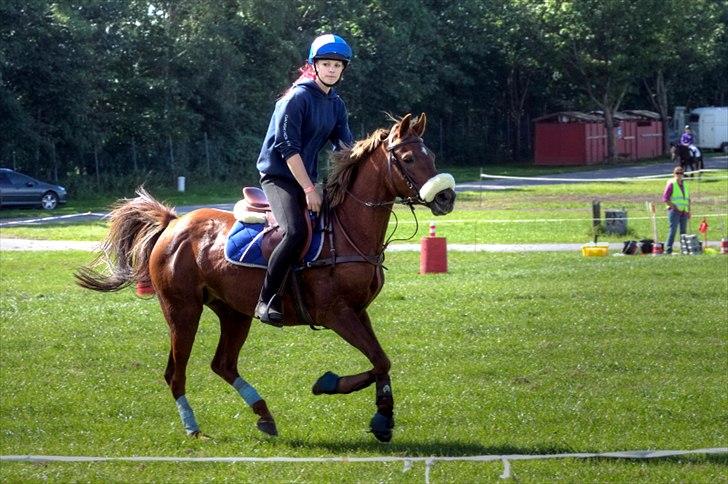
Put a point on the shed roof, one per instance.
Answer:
(570, 116)
(618, 115)
(643, 113)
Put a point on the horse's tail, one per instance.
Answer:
(134, 227)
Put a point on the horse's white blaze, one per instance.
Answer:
(424, 150)
(435, 185)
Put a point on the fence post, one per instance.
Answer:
(596, 213)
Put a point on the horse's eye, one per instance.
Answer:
(408, 158)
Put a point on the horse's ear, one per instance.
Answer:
(404, 126)
(419, 126)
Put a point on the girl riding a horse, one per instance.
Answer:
(184, 258)
(307, 117)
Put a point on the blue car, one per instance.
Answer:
(19, 189)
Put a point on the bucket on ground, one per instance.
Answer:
(592, 249)
(433, 253)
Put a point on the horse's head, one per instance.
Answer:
(411, 167)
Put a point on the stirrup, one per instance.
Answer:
(268, 314)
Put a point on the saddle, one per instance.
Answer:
(255, 233)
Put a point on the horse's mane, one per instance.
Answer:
(344, 164)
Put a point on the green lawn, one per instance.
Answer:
(543, 214)
(508, 353)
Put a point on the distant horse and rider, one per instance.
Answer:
(683, 156)
(686, 153)
(184, 259)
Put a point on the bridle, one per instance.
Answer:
(392, 159)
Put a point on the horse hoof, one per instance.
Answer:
(267, 427)
(197, 434)
(381, 426)
(326, 384)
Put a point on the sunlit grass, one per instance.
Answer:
(507, 353)
(543, 214)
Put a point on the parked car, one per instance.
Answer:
(19, 189)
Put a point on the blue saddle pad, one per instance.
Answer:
(244, 246)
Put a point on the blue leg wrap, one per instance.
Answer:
(381, 426)
(187, 415)
(326, 384)
(246, 390)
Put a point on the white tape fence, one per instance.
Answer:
(407, 462)
(613, 179)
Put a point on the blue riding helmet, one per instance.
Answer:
(329, 46)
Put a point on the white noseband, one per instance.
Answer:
(435, 185)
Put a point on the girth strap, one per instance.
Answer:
(341, 259)
(301, 310)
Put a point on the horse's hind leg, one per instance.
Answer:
(234, 328)
(183, 318)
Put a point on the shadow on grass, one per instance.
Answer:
(720, 459)
(454, 449)
(426, 449)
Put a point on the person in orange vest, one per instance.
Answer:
(677, 198)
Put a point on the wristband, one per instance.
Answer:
(309, 189)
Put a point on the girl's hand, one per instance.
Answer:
(313, 201)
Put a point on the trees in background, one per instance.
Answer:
(100, 89)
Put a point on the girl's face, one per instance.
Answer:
(329, 71)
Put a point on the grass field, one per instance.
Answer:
(508, 353)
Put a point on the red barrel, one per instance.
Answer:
(657, 248)
(144, 288)
(724, 246)
(433, 255)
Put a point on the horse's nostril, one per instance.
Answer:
(445, 196)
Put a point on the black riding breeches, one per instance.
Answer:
(287, 201)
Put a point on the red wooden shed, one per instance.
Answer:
(576, 138)
(569, 138)
(625, 133)
(649, 133)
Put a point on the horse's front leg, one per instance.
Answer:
(357, 330)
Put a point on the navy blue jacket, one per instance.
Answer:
(304, 120)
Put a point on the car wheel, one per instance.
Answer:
(49, 200)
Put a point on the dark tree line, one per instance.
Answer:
(102, 89)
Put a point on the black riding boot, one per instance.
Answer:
(270, 312)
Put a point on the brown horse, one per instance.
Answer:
(184, 259)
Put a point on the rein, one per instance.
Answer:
(392, 158)
(332, 218)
